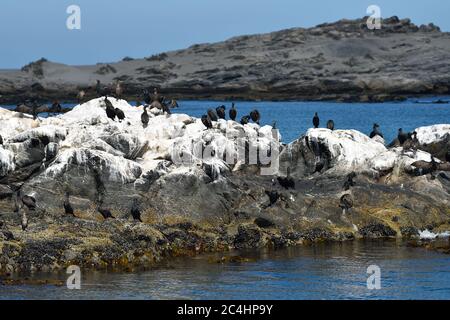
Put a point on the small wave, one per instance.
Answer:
(428, 235)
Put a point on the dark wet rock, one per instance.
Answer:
(409, 231)
(263, 223)
(377, 230)
(248, 236)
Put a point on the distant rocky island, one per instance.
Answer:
(341, 61)
(84, 188)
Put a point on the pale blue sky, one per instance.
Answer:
(111, 30)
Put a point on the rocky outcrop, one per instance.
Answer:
(332, 61)
(202, 190)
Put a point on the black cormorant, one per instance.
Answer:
(110, 112)
(206, 121)
(287, 182)
(106, 213)
(135, 212)
(273, 197)
(212, 115)
(376, 131)
(119, 113)
(245, 120)
(330, 125)
(255, 116)
(402, 137)
(316, 121)
(144, 117)
(221, 112)
(68, 206)
(233, 112)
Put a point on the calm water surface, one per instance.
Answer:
(323, 271)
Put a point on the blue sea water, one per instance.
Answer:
(321, 271)
(294, 118)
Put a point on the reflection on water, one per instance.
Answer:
(322, 271)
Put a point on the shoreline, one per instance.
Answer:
(58, 277)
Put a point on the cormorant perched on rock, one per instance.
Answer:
(80, 96)
(316, 121)
(402, 137)
(1, 140)
(144, 117)
(245, 120)
(349, 182)
(255, 116)
(106, 213)
(376, 131)
(24, 220)
(330, 125)
(346, 203)
(287, 182)
(110, 111)
(29, 202)
(411, 143)
(273, 197)
(165, 108)
(212, 115)
(68, 206)
(206, 121)
(233, 112)
(119, 90)
(221, 112)
(135, 212)
(119, 113)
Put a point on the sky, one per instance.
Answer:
(111, 30)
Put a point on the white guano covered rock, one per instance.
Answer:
(434, 133)
(349, 149)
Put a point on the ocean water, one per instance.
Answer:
(294, 118)
(321, 271)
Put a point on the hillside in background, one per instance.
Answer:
(333, 61)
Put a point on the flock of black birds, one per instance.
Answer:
(220, 113)
(407, 140)
(28, 202)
